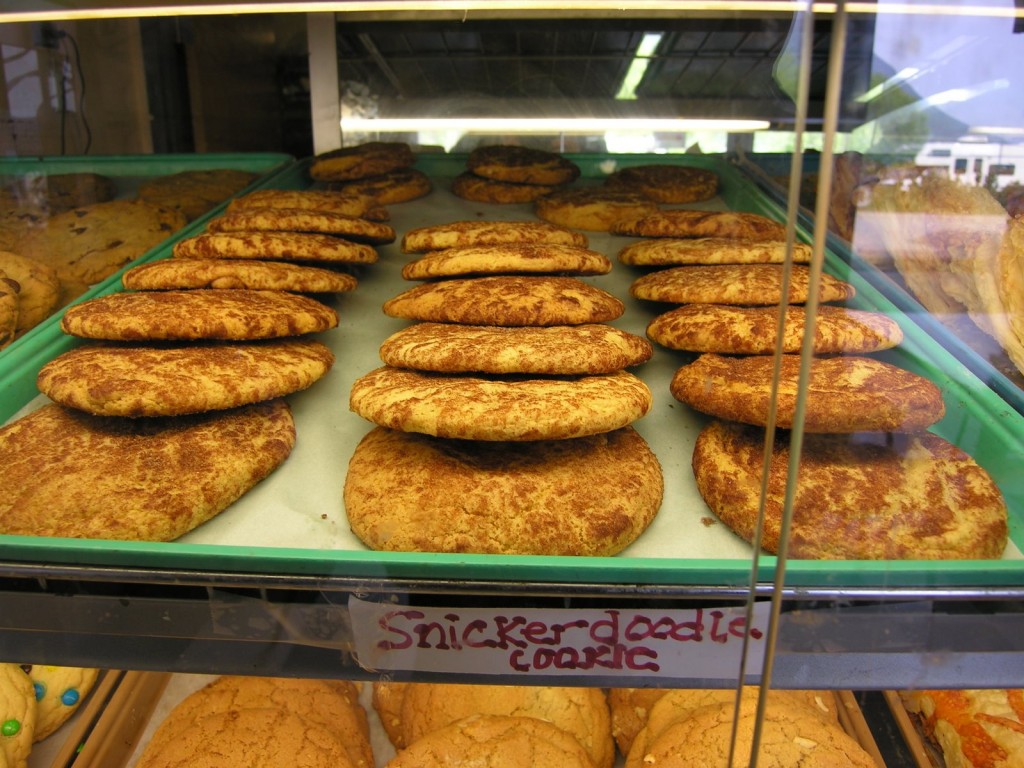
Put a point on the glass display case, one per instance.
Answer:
(883, 137)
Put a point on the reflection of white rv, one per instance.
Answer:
(975, 162)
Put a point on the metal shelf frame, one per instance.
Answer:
(206, 622)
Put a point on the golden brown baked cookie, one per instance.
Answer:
(732, 330)
(666, 183)
(328, 704)
(681, 703)
(691, 223)
(590, 496)
(972, 726)
(592, 208)
(303, 220)
(524, 258)
(551, 350)
(132, 381)
(279, 246)
(346, 203)
(477, 189)
(38, 289)
(58, 693)
(633, 709)
(226, 314)
(491, 408)
(398, 186)
(581, 711)
(751, 284)
(495, 741)
(844, 394)
(17, 715)
(458, 234)
(249, 738)
(195, 192)
(790, 736)
(371, 158)
(521, 165)
(252, 274)
(8, 309)
(668, 252)
(61, 468)
(507, 300)
(858, 497)
(90, 243)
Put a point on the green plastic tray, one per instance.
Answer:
(978, 420)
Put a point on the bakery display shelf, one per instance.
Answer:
(144, 699)
(283, 553)
(764, 170)
(309, 536)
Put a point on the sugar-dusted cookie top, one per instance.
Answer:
(684, 222)
(496, 408)
(858, 497)
(398, 186)
(333, 201)
(279, 246)
(589, 496)
(508, 259)
(452, 234)
(252, 274)
(592, 208)
(844, 394)
(557, 349)
(671, 251)
(62, 468)
(171, 380)
(666, 183)
(507, 300)
(228, 314)
(521, 165)
(732, 330)
(271, 219)
(370, 158)
(749, 284)
(479, 189)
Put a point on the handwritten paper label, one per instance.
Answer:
(702, 643)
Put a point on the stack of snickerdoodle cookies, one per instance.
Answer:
(868, 461)
(510, 173)
(173, 404)
(382, 170)
(504, 412)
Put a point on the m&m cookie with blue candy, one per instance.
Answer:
(57, 693)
